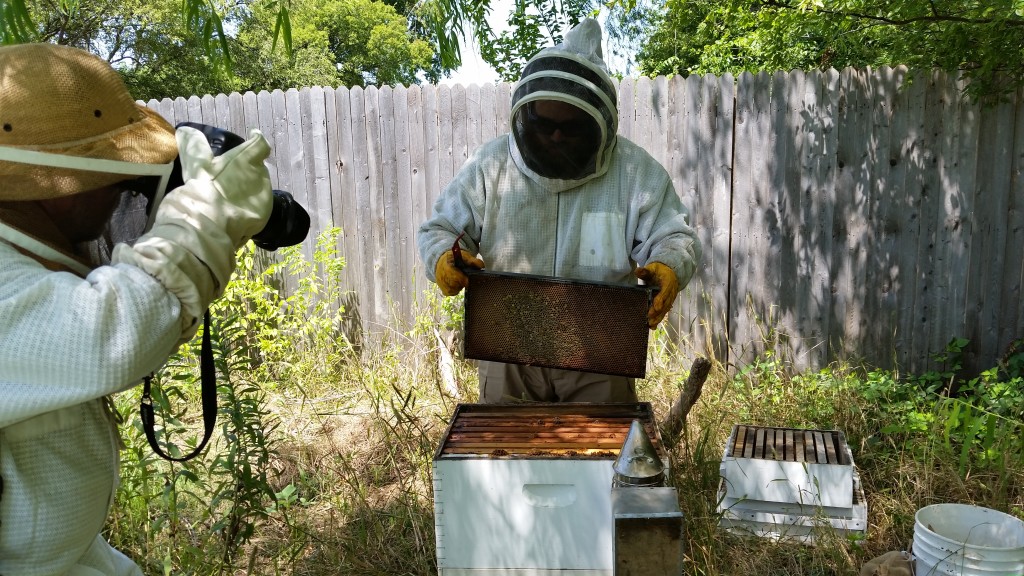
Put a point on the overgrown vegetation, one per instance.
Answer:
(979, 39)
(321, 463)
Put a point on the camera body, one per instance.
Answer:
(289, 222)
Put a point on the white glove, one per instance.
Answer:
(238, 175)
(197, 228)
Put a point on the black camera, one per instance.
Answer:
(289, 222)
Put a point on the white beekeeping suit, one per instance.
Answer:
(71, 332)
(563, 196)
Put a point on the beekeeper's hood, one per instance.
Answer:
(68, 124)
(573, 72)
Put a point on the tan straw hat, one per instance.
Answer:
(65, 101)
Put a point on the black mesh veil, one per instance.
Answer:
(567, 77)
(126, 225)
(139, 181)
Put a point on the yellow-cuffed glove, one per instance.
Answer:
(664, 278)
(449, 278)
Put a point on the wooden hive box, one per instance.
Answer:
(790, 483)
(525, 489)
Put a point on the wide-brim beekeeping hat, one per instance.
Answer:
(68, 124)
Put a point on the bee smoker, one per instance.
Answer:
(648, 525)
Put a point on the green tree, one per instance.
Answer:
(350, 42)
(370, 42)
(334, 42)
(201, 20)
(207, 25)
(982, 38)
(533, 24)
(148, 42)
(202, 27)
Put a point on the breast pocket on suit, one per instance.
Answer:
(602, 241)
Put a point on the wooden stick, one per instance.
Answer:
(676, 419)
(446, 367)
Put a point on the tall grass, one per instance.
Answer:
(322, 460)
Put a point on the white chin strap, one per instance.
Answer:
(36, 158)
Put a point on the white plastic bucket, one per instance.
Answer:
(966, 540)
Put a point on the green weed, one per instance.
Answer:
(321, 463)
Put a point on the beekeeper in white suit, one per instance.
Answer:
(71, 332)
(562, 195)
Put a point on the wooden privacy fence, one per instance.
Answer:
(864, 214)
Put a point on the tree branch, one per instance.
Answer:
(676, 419)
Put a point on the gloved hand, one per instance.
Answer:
(449, 278)
(237, 181)
(665, 279)
(198, 226)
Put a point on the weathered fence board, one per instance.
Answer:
(503, 102)
(749, 249)
(989, 238)
(419, 196)
(474, 136)
(460, 142)
(342, 155)
(361, 192)
(433, 149)
(862, 214)
(822, 103)
(715, 118)
(391, 255)
(319, 153)
(958, 164)
(407, 217)
(626, 114)
(924, 306)
(1012, 285)
(871, 283)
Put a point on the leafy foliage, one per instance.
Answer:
(166, 48)
(982, 38)
(980, 420)
(15, 23)
(338, 42)
(305, 324)
(533, 24)
(111, 27)
(225, 491)
(204, 511)
(154, 44)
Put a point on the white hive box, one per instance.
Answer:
(787, 483)
(525, 489)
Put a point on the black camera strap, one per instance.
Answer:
(208, 375)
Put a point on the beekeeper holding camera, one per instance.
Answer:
(72, 331)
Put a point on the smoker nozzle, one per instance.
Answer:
(638, 463)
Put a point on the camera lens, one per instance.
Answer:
(288, 224)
